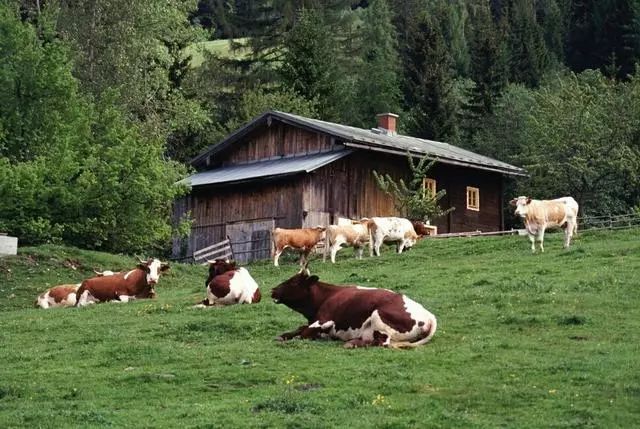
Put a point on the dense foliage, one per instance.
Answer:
(74, 168)
(549, 85)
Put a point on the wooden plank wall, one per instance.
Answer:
(347, 188)
(214, 207)
(276, 141)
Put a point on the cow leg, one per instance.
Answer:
(276, 256)
(359, 252)
(532, 239)
(568, 233)
(357, 342)
(334, 249)
(541, 239)
(400, 246)
(304, 254)
(303, 331)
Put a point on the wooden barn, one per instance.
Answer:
(284, 170)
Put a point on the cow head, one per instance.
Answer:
(217, 267)
(522, 205)
(153, 267)
(295, 293)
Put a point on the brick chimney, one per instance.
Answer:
(387, 123)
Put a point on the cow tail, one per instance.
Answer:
(433, 325)
(79, 293)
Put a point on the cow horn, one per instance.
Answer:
(98, 272)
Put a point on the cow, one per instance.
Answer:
(360, 316)
(538, 215)
(355, 234)
(228, 284)
(122, 287)
(58, 296)
(304, 240)
(393, 230)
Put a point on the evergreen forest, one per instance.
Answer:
(104, 102)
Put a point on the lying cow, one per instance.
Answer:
(538, 215)
(122, 287)
(228, 284)
(304, 240)
(63, 295)
(357, 315)
(58, 296)
(355, 234)
(390, 230)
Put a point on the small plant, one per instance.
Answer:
(414, 201)
(289, 402)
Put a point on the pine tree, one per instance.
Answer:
(378, 85)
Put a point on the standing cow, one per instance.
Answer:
(303, 239)
(390, 230)
(228, 284)
(122, 287)
(538, 215)
(355, 233)
(357, 315)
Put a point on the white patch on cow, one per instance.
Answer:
(125, 298)
(325, 325)
(43, 300)
(86, 299)
(242, 288)
(126, 276)
(154, 271)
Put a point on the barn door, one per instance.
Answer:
(251, 241)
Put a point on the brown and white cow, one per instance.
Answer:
(391, 230)
(63, 295)
(304, 240)
(355, 234)
(122, 287)
(357, 315)
(58, 296)
(228, 284)
(538, 215)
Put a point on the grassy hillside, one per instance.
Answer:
(523, 340)
(221, 48)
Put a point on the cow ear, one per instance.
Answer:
(528, 200)
(513, 202)
(164, 267)
(309, 281)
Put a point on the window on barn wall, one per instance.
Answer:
(429, 184)
(473, 198)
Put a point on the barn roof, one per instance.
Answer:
(371, 139)
(273, 168)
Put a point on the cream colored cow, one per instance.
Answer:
(538, 215)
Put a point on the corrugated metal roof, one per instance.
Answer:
(271, 168)
(368, 139)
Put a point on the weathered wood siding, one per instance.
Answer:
(455, 181)
(347, 188)
(343, 188)
(275, 141)
(213, 209)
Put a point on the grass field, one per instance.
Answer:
(523, 341)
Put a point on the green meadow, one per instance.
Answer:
(524, 341)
